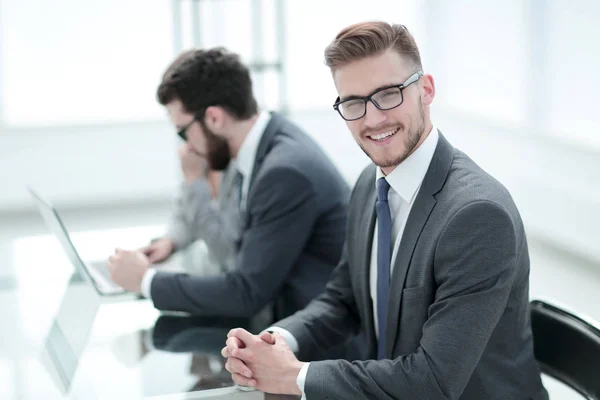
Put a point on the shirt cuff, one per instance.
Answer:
(301, 379)
(287, 336)
(147, 282)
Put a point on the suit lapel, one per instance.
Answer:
(416, 221)
(262, 150)
(423, 206)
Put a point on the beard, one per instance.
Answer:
(411, 140)
(218, 155)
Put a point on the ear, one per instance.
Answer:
(428, 89)
(215, 118)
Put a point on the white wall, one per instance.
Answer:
(551, 179)
(88, 165)
(516, 89)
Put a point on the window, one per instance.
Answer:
(573, 83)
(312, 24)
(73, 61)
(480, 59)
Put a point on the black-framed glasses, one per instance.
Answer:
(182, 133)
(384, 99)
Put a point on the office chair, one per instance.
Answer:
(567, 348)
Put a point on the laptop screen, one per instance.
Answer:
(56, 226)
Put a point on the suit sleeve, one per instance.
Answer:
(475, 265)
(330, 319)
(283, 210)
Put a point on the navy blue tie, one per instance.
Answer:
(384, 257)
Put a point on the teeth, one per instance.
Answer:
(381, 136)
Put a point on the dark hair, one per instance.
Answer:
(203, 78)
(372, 38)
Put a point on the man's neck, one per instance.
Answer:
(239, 132)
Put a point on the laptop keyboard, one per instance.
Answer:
(101, 268)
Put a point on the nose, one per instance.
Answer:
(374, 116)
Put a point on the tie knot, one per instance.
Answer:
(383, 187)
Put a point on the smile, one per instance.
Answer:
(383, 135)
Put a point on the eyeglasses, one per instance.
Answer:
(182, 133)
(384, 99)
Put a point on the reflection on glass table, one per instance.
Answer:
(201, 338)
(128, 350)
(109, 347)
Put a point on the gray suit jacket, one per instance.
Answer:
(218, 224)
(458, 323)
(292, 234)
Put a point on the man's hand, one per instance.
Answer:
(265, 362)
(159, 250)
(127, 269)
(193, 164)
(214, 179)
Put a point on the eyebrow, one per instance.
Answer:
(354, 96)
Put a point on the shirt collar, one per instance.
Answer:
(407, 177)
(247, 154)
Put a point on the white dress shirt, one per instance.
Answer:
(247, 154)
(405, 181)
(245, 164)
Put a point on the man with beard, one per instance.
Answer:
(291, 199)
(435, 268)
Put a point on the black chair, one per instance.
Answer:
(567, 348)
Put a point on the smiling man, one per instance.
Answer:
(435, 268)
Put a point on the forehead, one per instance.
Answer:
(362, 77)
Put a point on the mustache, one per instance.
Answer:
(384, 128)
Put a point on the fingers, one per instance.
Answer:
(183, 149)
(153, 257)
(147, 249)
(236, 366)
(234, 345)
(267, 337)
(118, 256)
(225, 352)
(243, 381)
(243, 335)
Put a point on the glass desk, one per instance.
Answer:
(61, 340)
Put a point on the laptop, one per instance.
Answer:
(95, 273)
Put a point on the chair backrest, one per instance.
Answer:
(567, 348)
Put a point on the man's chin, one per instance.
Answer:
(219, 164)
(385, 163)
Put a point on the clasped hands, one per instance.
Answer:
(263, 361)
